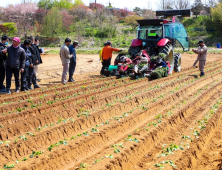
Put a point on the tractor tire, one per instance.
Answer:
(133, 51)
(168, 50)
(177, 62)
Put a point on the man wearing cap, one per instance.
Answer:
(72, 64)
(107, 55)
(15, 62)
(3, 59)
(202, 56)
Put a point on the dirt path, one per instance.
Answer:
(108, 123)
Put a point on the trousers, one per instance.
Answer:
(201, 65)
(25, 78)
(2, 76)
(72, 66)
(65, 72)
(9, 72)
(32, 77)
(36, 67)
(106, 64)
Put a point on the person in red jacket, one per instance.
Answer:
(107, 55)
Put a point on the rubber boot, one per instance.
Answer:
(202, 74)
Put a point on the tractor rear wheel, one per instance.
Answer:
(177, 62)
(168, 51)
(133, 51)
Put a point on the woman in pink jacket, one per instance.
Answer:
(126, 61)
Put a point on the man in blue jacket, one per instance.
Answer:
(25, 78)
(72, 65)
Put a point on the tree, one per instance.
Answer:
(78, 2)
(62, 4)
(132, 20)
(165, 4)
(21, 14)
(45, 4)
(11, 28)
(67, 21)
(52, 22)
(3, 30)
(182, 4)
(96, 6)
(39, 17)
(217, 18)
(197, 7)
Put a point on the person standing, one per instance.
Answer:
(25, 80)
(107, 56)
(72, 65)
(65, 58)
(36, 45)
(202, 56)
(35, 62)
(15, 62)
(3, 58)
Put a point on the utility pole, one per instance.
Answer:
(95, 4)
(163, 4)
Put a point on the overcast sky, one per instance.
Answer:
(130, 4)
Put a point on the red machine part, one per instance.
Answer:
(163, 42)
(136, 43)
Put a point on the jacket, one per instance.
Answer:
(64, 54)
(163, 64)
(108, 51)
(28, 54)
(3, 56)
(72, 50)
(16, 57)
(143, 59)
(202, 53)
(34, 55)
(38, 56)
(128, 61)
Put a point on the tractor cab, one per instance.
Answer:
(155, 33)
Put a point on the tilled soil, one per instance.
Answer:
(108, 123)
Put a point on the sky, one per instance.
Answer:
(130, 4)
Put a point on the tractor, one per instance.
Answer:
(158, 37)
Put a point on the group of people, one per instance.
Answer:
(23, 59)
(68, 58)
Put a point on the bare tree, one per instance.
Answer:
(182, 4)
(164, 4)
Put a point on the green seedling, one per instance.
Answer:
(129, 138)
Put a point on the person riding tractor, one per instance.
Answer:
(126, 63)
(141, 64)
(160, 70)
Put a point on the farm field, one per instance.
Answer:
(106, 123)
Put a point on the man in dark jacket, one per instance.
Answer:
(36, 45)
(72, 64)
(3, 58)
(15, 62)
(25, 78)
(35, 62)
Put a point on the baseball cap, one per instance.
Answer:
(201, 42)
(17, 39)
(75, 43)
(108, 43)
